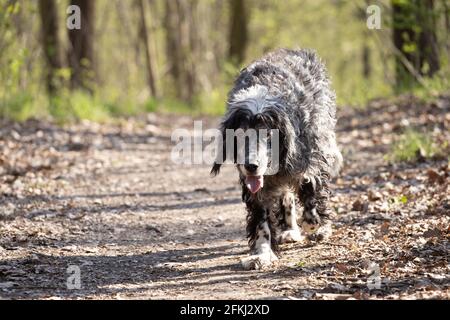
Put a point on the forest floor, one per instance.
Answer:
(108, 200)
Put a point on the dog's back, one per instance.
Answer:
(298, 70)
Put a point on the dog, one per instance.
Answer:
(288, 91)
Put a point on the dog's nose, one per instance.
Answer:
(251, 168)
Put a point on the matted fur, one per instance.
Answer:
(288, 90)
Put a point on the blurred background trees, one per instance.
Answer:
(80, 50)
(238, 35)
(181, 55)
(414, 25)
(51, 46)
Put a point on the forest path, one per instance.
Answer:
(109, 201)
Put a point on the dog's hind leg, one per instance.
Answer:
(288, 215)
(261, 235)
(315, 220)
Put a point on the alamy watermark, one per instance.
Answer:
(373, 21)
(235, 146)
(73, 21)
(74, 279)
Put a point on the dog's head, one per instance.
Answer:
(257, 135)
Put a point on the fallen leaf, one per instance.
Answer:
(432, 233)
(341, 267)
(374, 195)
(434, 176)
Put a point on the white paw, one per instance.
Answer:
(259, 261)
(310, 228)
(292, 235)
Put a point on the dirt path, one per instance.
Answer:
(108, 200)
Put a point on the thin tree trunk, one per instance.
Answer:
(238, 35)
(360, 13)
(446, 9)
(155, 25)
(81, 52)
(180, 48)
(429, 49)
(367, 70)
(51, 44)
(148, 53)
(173, 44)
(403, 35)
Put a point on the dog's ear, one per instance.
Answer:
(230, 121)
(221, 148)
(215, 169)
(277, 119)
(288, 132)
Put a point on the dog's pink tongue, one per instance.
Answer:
(254, 183)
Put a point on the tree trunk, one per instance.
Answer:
(147, 48)
(238, 35)
(50, 42)
(403, 37)
(414, 35)
(360, 13)
(180, 47)
(367, 70)
(429, 49)
(81, 52)
(446, 9)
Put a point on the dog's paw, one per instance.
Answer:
(310, 221)
(292, 235)
(310, 227)
(259, 261)
(323, 233)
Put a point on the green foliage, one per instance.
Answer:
(77, 105)
(213, 102)
(20, 107)
(335, 29)
(362, 94)
(437, 85)
(151, 105)
(207, 103)
(397, 200)
(412, 146)
(73, 106)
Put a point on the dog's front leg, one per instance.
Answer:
(261, 235)
(291, 231)
(316, 219)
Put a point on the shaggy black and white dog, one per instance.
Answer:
(287, 90)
